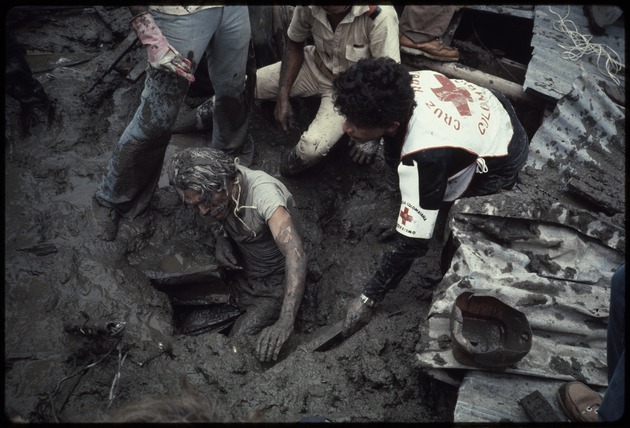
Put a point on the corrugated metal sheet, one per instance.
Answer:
(586, 129)
(519, 11)
(544, 252)
(550, 73)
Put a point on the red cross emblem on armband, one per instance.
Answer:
(405, 216)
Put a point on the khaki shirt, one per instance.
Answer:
(357, 36)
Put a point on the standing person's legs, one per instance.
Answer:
(136, 163)
(268, 82)
(227, 59)
(422, 23)
(581, 403)
(612, 406)
(421, 29)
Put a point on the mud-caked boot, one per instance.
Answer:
(291, 164)
(196, 120)
(106, 221)
(246, 154)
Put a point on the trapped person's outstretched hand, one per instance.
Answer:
(271, 340)
(161, 55)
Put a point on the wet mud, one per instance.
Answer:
(91, 326)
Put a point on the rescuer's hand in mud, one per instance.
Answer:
(358, 314)
(271, 340)
(284, 114)
(160, 53)
(363, 154)
(224, 254)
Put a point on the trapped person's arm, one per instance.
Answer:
(289, 242)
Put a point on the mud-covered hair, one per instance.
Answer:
(166, 409)
(202, 169)
(374, 93)
(185, 407)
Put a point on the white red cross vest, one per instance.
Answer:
(449, 113)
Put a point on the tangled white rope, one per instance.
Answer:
(582, 46)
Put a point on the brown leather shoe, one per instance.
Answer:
(579, 402)
(434, 49)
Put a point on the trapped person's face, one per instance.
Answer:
(217, 206)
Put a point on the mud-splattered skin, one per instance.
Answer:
(289, 242)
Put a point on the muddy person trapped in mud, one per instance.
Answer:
(256, 214)
(444, 139)
(315, 277)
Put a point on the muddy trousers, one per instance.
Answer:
(612, 406)
(423, 23)
(327, 127)
(223, 34)
(260, 298)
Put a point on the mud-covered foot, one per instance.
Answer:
(246, 155)
(106, 221)
(291, 164)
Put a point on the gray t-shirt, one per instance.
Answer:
(261, 194)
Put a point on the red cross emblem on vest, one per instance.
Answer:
(451, 93)
(405, 216)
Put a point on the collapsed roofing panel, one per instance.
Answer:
(563, 48)
(517, 10)
(545, 249)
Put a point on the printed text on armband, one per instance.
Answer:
(405, 230)
(415, 210)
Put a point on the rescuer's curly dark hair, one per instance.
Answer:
(374, 93)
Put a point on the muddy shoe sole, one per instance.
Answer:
(418, 52)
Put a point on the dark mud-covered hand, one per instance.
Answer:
(271, 340)
(160, 53)
(284, 114)
(224, 254)
(358, 314)
(364, 153)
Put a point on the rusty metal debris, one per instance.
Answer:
(487, 332)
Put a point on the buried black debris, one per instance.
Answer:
(196, 319)
(200, 299)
